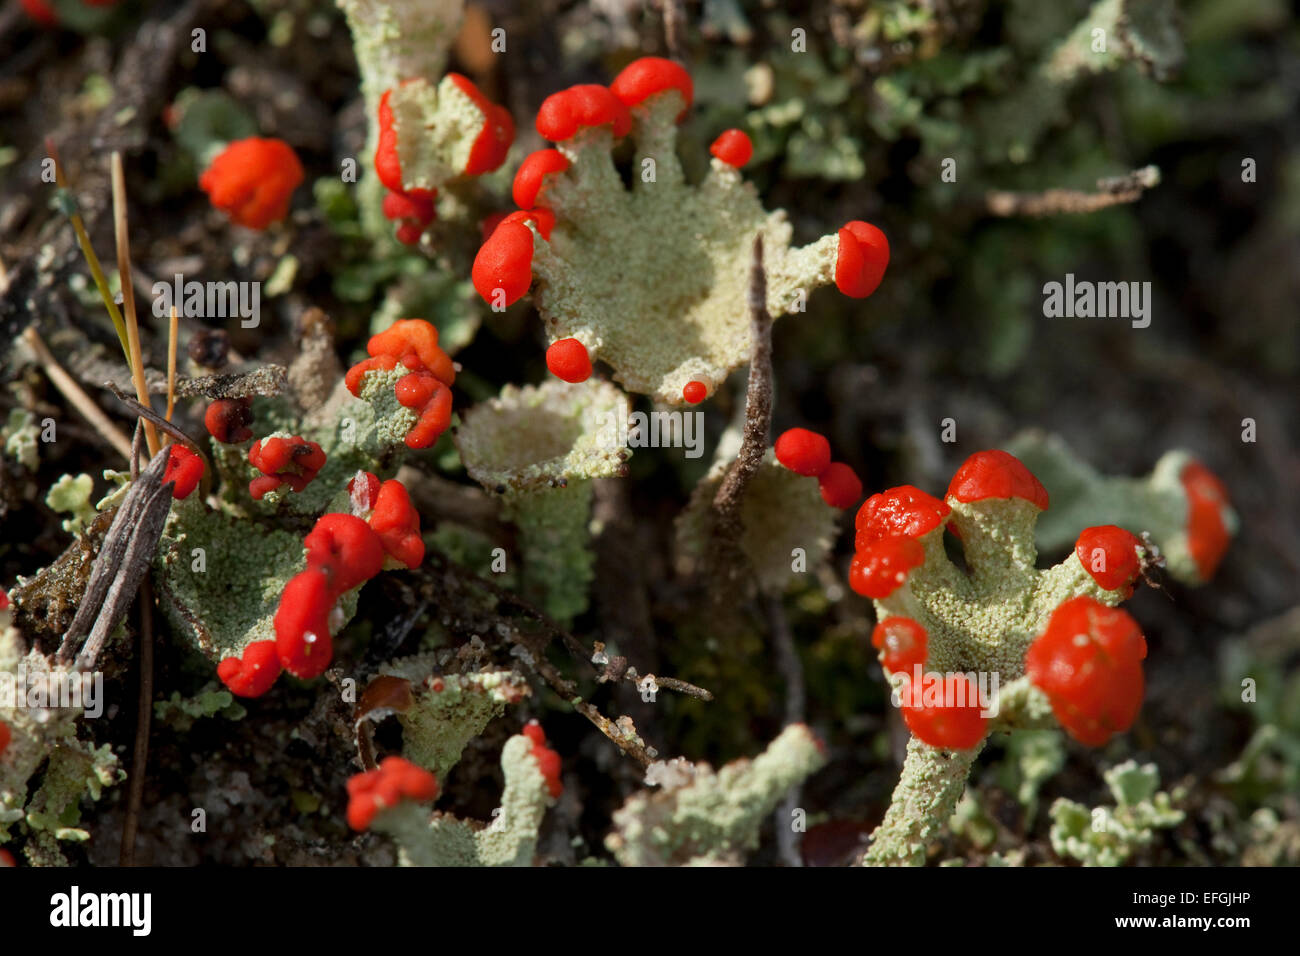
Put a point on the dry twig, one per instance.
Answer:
(1114, 191)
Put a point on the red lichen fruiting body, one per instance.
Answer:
(733, 147)
(1111, 556)
(388, 166)
(548, 761)
(41, 12)
(413, 211)
(562, 115)
(953, 723)
(840, 485)
(302, 634)
(494, 139)
(227, 420)
(861, 260)
(354, 376)
(363, 489)
(346, 549)
(541, 217)
(1207, 531)
(650, 76)
(505, 262)
(431, 399)
(568, 360)
(5, 736)
(905, 510)
(488, 224)
(416, 205)
(414, 343)
(184, 468)
(996, 474)
(397, 523)
(1088, 661)
(881, 568)
(252, 181)
(803, 452)
(293, 461)
(902, 642)
(531, 175)
(695, 392)
(255, 673)
(393, 780)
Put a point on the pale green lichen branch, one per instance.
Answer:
(702, 817)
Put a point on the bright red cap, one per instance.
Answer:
(904, 510)
(548, 761)
(879, 569)
(804, 452)
(302, 632)
(733, 147)
(414, 343)
(862, 258)
(183, 467)
(840, 486)
(293, 461)
(695, 392)
(5, 737)
(388, 166)
(431, 399)
(394, 780)
(563, 114)
(397, 523)
(505, 262)
(532, 172)
(955, 723)
(363, 489)
(902, 643)
(568, 360)
(252, 181)
(416, 205)
(255, 673)
(346, 549)
(1110, 555)
(1207, 531)
(996, 474)
(227, 420)
(1089, 663)
(498, 132)
(649, 76)
(542, 217)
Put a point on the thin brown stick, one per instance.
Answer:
(758, 423)
(75, 394)
(128, 297)
(143, 720)
(1114, 191)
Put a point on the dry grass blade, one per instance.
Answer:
(128, 298)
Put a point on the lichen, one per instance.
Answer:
(509, 840)
(70, 495)
(1156, 503)
(539, 447)
(1109, 836)
(708, 817)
